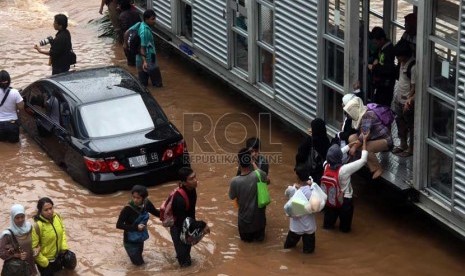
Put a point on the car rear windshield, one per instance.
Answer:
(115, 117)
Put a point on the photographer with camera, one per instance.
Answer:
(61, 53)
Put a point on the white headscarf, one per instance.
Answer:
(17, 209)
(356, 109)
(346, 98)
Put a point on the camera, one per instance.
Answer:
(46, 41)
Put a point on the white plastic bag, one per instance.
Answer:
(317, 200)
(295, 206)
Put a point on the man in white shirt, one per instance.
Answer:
(10, 102)
(404, 98)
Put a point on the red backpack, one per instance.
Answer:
(330, 185)
(166, 210)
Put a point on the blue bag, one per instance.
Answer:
(140, 236)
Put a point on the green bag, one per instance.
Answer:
(263, 195)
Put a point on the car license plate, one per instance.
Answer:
(138, 161)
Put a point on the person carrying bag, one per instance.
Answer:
(15, 266)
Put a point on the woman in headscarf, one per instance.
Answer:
(342, 137)
(379, 138)
(334, 162)
(21, 229)
(318, 141)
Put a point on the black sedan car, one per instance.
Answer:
(104, 128)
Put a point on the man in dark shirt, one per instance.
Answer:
(383, 68)
(127, 18)
(182, 210)
(60, 46)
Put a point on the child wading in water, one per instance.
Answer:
(302, 226)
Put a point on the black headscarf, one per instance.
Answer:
(320, 142)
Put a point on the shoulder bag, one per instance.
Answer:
(4, 97)
(15, 266)
(139, 236)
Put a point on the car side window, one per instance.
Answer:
(65, 116)
(36, 98)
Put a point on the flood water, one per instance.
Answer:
(389, 236)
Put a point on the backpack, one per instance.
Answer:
(330, 185)
(132, 40)
(384, 113)
(409, 69)
(166, 210)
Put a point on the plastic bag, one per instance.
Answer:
(263, 195)
(295, 206)
(317, 200)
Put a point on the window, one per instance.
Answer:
(336, 18)
(334, 63)
(115, 117)
(240, 37)
(333, 108)
(401, 8)
(265, 43)
(443, 70)
(447, 20)
(442, 96)
(441, 122)
(440, 172)
(333, 78)
(186, 20)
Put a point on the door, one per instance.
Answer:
(48, 119)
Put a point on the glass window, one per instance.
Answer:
(377, 6)
(333, 107)
(265, 27)
(266, 67)
(444, 63)
(447, 20)
(334, 63)
(240, 52)
(37, 97)
(240, 21)
(336, 18)
(141, 3)
(115, 117)
(186, 20)
(440, 172)
(402, 8)
(442, 121)
(375, 21)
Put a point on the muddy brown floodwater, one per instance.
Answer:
(389, 236)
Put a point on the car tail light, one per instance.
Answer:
(175, 151)
(103, 165)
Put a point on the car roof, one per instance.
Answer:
(96, 84)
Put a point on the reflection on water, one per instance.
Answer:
(388, 237)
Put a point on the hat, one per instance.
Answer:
(334, 156)
(355, 109)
